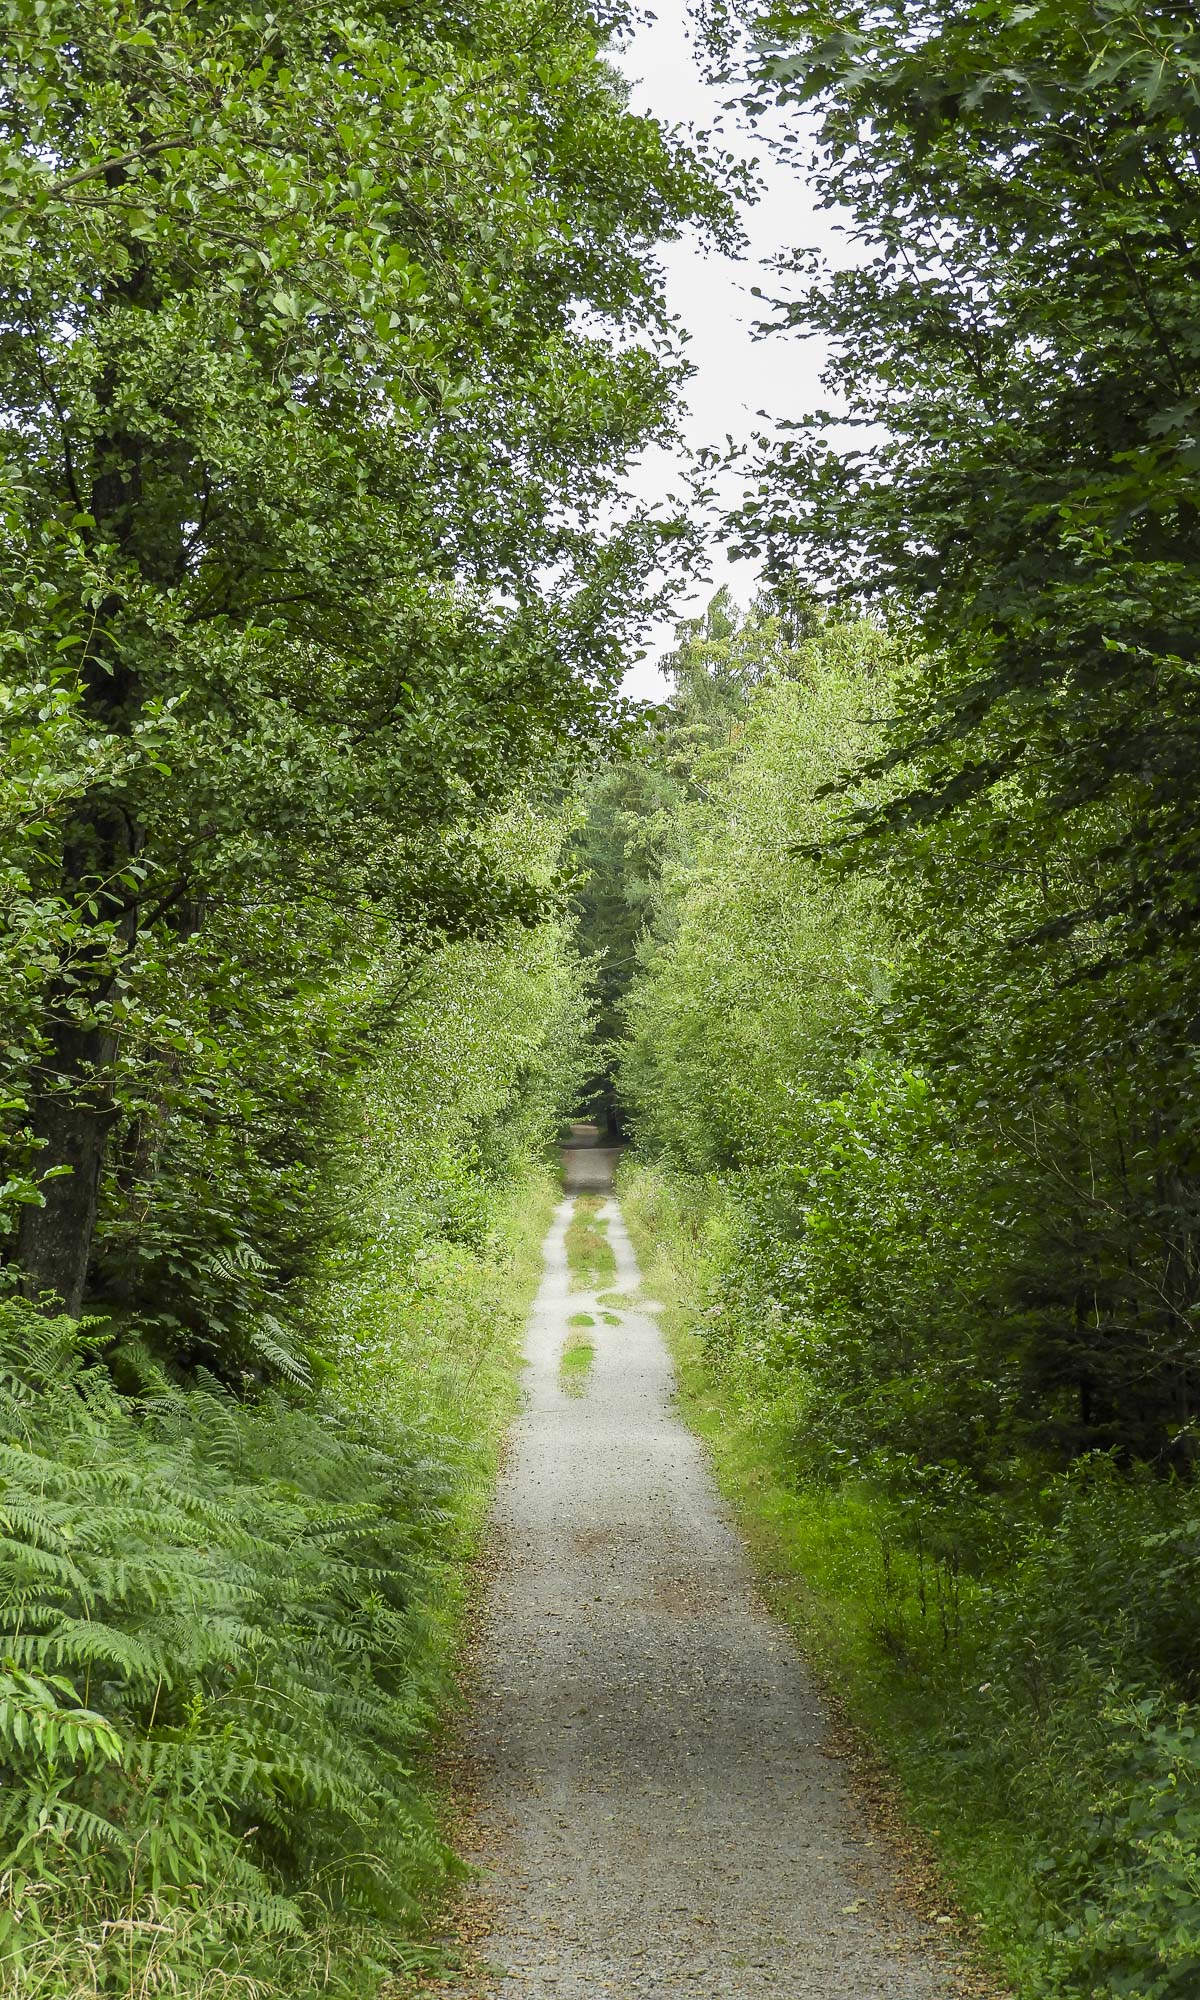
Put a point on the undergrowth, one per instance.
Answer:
(228, 1629)
(1033, 1691)
(216, 1671)
(229, 1612)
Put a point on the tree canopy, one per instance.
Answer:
(325, 342)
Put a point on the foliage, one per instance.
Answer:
(326, 342)
(1017, 338)
(740, 996)
(930, 1305)
(214, 1649)
(630, 817)
(1023, 1704)
(229, 1620)
(1022, 182)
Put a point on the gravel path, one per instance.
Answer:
(657, 1808)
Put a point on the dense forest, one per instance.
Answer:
(336, 872)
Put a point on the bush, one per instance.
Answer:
(1134, 1933)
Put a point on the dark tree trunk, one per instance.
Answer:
(72, 1106)
(135, 503)
(72, 1113)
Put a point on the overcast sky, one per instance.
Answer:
(736, 376)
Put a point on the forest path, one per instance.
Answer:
(656, 1807)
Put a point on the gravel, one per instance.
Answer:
(658, 1809)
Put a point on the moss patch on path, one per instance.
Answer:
(576, 1365)
(590, 1256)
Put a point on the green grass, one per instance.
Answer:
(575, 1366)
(590, 1257)
(581, 1319)
(818, 1556)
(446, 1361)
(443, 1358)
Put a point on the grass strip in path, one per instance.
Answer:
(576, 1365)
(589, 1253)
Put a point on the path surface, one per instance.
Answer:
(658, 1811)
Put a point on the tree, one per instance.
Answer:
(1021, 333)
(324, 340)
(632, 805)
(1024, 184)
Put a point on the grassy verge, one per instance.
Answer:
(1020, 1655)
(441, 1355)
(829, 1572)
(441, 1359)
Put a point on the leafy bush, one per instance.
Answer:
(924, 1233)
(1135, 1932)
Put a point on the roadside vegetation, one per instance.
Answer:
(233, 1609)
(879, 1246)
(327, 342)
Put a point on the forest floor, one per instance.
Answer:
(656, 1799)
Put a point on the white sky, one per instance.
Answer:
(736, 376)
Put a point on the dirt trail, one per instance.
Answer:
(658, 1811)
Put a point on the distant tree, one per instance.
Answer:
(633, 806)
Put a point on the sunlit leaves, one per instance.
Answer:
(324, 345)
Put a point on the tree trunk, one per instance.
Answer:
(72, 1109)
(72, 1113)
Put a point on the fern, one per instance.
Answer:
(212, 1637)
